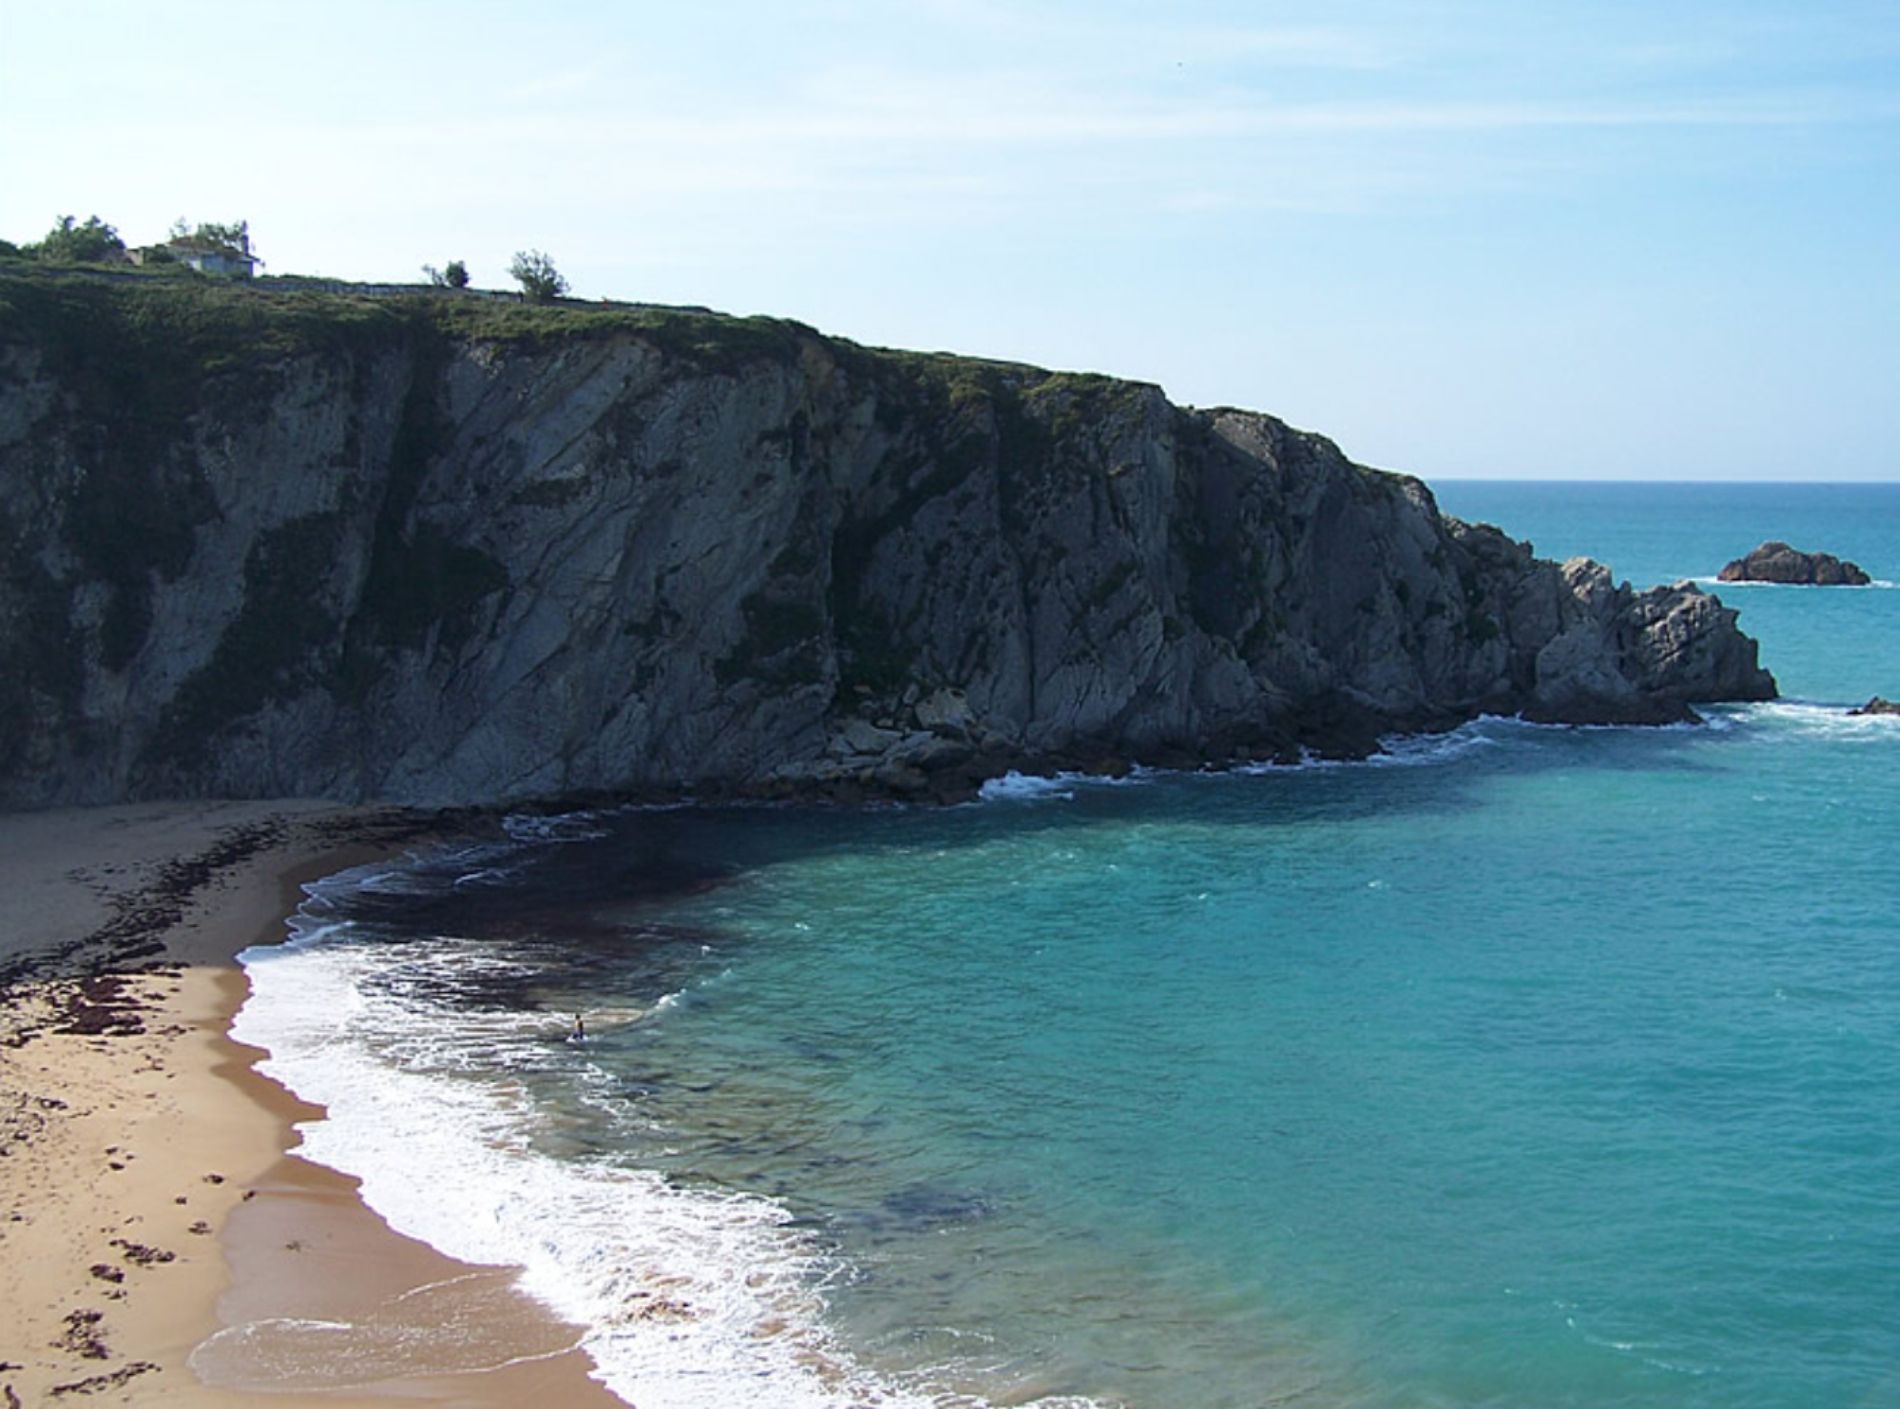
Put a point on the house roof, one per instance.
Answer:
(191, 244)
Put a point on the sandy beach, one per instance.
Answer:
(160, 1241)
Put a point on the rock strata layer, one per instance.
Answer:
(1777, 562)
(449, 550)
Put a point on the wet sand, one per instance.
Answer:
(159, 1242)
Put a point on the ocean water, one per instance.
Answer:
(1524, 1067)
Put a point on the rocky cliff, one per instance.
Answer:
(447, 549)
(1775, 561)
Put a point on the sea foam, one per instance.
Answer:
(1830, 721)
(1022, 787)
(688, 1298)
(1874, 584)
(558, 827)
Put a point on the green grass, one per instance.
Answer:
(200, 326)
(180, 328)
(708, 342)
(209, 325)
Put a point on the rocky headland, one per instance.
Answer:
(1777, 562)
(263, 541)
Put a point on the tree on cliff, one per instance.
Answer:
(452, 276)
(68, 242)
(539, 279)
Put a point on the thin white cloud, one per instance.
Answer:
(559, 83)
(975, 115)
(949, 115)
(1311, 47)
(1155, 37)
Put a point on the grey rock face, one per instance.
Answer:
(433, 566)
(1777, 562)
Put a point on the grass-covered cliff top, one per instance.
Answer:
(207, 325)
(210, 318)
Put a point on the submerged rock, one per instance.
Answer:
(449, 550)
(1876, 705)
(1777, 562)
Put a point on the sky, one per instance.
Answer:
(1545, 239)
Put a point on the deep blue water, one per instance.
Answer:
(1528, 1067)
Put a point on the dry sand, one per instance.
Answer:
(158, 1245)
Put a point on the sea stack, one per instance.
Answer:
(1777, 562)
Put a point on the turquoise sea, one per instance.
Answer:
(1527, 1067)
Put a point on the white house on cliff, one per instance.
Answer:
(206, 256)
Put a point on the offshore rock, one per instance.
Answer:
(450, 550)
(1777, 562)
(1877, 705)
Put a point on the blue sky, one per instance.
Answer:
(1569, 240)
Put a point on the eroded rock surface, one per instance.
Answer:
(438, 550)
(1777, 562)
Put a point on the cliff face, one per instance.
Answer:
(444, 550)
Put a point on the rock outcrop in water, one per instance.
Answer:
(1777, 562)
(448, 549)
(1877, 705)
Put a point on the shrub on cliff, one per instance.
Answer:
(538, 277)
(68, 242)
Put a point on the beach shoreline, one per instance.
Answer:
(161, 1240)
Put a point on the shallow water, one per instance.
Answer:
(1526, 1066)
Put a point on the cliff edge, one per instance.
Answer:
(445, 549)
